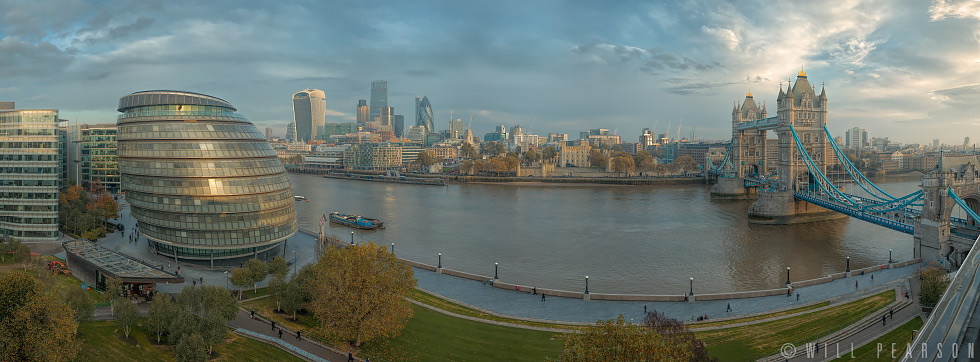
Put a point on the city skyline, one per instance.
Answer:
(899, 67)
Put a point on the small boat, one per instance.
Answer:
(356, 221)
(301, 198)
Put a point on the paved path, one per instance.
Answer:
(526, 305)
(261, 327)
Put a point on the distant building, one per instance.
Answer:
(647, 139)
(444, 152)
(410, 152)
(557, 137)
(386, 118)
(935, 144)
(499, 134)
(268, 133)
(363, 118)
(416, 134)
(309, 113)
(379, 98)
(856, 138)
(373, 156)
(574, 156)
(423, 114)
(98, 156)
(600, 140)
(31, 173)
(515, 130)
(331, 129)
(630, 148)
(455, 128)
(399, 125)
(966, 142)
(526, 141)
(291, 132)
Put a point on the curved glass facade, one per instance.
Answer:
(201, 180)
(423, 114)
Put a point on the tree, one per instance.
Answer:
(19, 250)
(212, 331)
(597, 159)
(643, 160)
(685, 163)
(492, 148)
(191, 349)
(468, 151)
(510, 163)
(530, 155)
(34, 324)
(677, 334)
(182, 324)
(216, 302)
(933, 285)
(106, 208)
(126, 314)
(359, 292)
(92, 234)
(241, 278)
(617, 340)
(278, 267)
(257, 271)
(113, 287)
(292, 297)
(549, 153)
(159, 319)
(303, 278)
(623, 164)
(277, 288)
(79, 301)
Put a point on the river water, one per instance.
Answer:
(627, 239)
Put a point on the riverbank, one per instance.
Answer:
(460, 179)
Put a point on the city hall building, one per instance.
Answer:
(201, 180)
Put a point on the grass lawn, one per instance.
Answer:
(901, 337)
(758, 317)
(432, 336)
(759, 340)
(59, 284)
(448, 306)
(104, 341)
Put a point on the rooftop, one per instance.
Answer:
(116, 264)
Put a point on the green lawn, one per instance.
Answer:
(432, 336)
(901, 337)
(104, 341)
(448, 306)
(759, 317)
(759, 340)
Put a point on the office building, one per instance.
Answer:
(399, 125)
(268, 133)
(647, 139)
(291, 132)
(387, 118)
(423, 114)
(31, 168)
(456, 128)
(331, 129)
(363, 113)
(200, 179)
(379, 98)
(98, 157)
(856, 138)
(373, 156)
(309, 113)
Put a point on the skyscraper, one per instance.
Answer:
(399, 125)
(200, 179)
(98, 156)
(856, 138)
(379, 98)
(423, 114)
(387, 116)
(268, 133)
(309, 113)
(362, 113)
(31, 173)
(291, 132)
(455, 128)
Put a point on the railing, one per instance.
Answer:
(765, 123)
(856, 213)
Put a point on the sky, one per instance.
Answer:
(904, 69)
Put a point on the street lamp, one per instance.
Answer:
(352, 238)
(495, 270)
(692, 286)
(392, 248)
(787, 276)
(586, 284)
(226, 279)
(440, 260)
(889, 256)
(848, 265)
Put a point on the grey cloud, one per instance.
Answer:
(963, 97)
(421, 73)
(33, 20)
(29, 59)
(653, 61)
(684, 86)
(95, 32)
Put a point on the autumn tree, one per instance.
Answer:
(241, 278)
(643, 160)
(597, 159)
(159, 319)
(492, 148)
(106, 208)
(277, 289)
(623, 164)
(191, 349)
(933, 285)
(510, 163)
(359, 292)
(468, 151)
(278, 267)
(34, 324)
(126, 314)
(257, 271)
(79, 301)
(292, 297)
(618, 340)
(677, 334)
(19, 251)
(549, 153)
(530, 156)
(685, 163)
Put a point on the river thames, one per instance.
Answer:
(627, 239)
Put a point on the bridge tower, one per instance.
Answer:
(936, 238)
(801, 107)
(748, 153)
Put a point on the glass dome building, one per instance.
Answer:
(200, 179)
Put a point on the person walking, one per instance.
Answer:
(729, 309)
(797, 296)
(252, 314)
(280, 333)
(273, 326)
(855, 284)
(891, 313)
(542, 297)
(298, 336)
(644, 309)
(872, 277)
(350, 357)
(883, 319)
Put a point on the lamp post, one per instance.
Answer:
(352, 238)
(692, 286)
(586, 284)
(889, 256)
(440, 260)
(226, 280)
(495, 265)
(787, 276)
(392, 248)
(848, 269)
(294, 262)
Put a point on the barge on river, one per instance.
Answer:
(394, 177)
(356, 221)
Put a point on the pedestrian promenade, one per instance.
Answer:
(260, 329)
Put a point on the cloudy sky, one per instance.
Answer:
(905, 69)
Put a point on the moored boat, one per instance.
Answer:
(356, 221)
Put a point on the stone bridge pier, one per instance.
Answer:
(937, 238)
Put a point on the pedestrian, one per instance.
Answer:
(855, 284)
(273, 326)
(797, 296)
(280, 333)
(644, 309)
(350, 357)
(817, 350)
(729, 309)
(298, 336)
(252, 314)
(872, 277)
(168, 263)
(194, 283)
(202, 280)
(891, 313)
(542, 297)
(534, 290)
(883, 319)
(788, 292)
